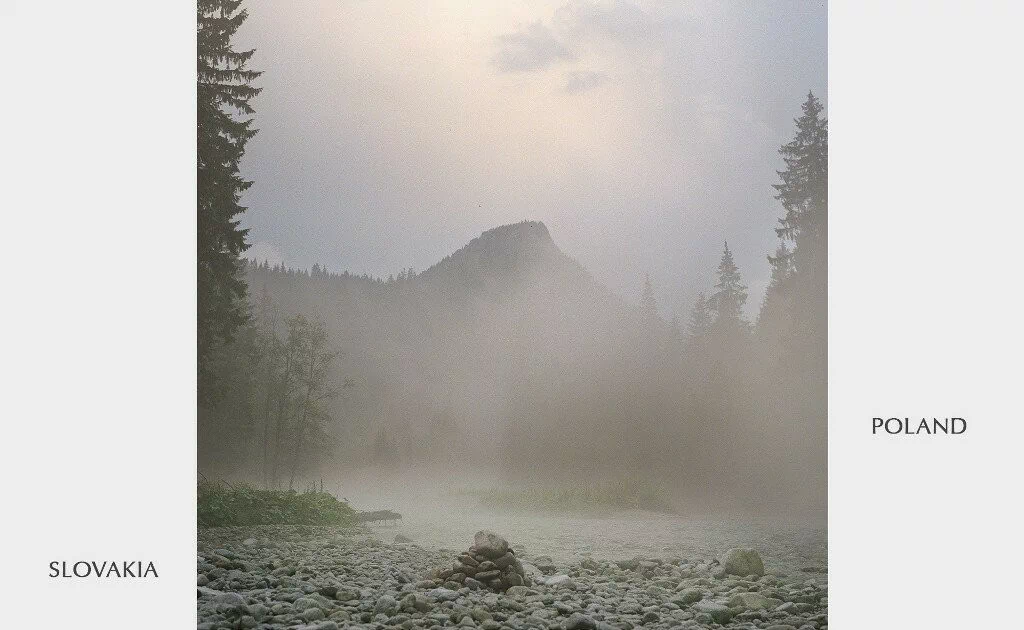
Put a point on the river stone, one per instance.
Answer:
(720, 613)
(489, 544)
(387, 605)
(520, 591)
(558, 580)
(544, 564)
(743, 561)
(230, 599)
(531, 571)
(750, 601)
(689, 596)
(579, 621)
(505, 561)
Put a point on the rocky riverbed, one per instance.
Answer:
(324, 578)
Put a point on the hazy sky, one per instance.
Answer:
(642, 133)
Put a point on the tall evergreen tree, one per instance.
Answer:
(794, 310)
(730, 294)
(803, 191)
(224, 126)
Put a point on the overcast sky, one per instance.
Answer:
(643, 134)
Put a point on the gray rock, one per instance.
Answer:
(531, 571)
(720, 613)
(520, 591)
(489, 544)
(743, 561)
(312, 614)
(544, 564)
(347, 594)
(505, 561)
(305, 603)
(442, 594)
(399, 538)
(689, 596)
(561, 581)
(387, 605)
(750, 601)
(230, 599)
(578, 621)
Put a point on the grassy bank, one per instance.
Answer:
(625, 494)
(220, 504)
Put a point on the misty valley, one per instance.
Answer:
(502, 440)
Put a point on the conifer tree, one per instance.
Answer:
(803, 191)
(730, 295)
(224, 126)
(795, 303)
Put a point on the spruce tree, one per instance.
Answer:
(224, 126)
(730, 295)
(796, 298)
(803, 191)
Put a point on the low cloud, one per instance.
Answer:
(582, 80)
(532, 47)
(621, 21)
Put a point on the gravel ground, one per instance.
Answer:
(305, 577)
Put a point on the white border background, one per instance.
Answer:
(98, 456)
(925, 260)
(97, 160)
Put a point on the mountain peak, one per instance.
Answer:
(516, 249)
(524, 230)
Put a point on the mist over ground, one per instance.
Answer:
(507, 367)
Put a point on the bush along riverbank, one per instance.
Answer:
(220, 504)
(330, 578)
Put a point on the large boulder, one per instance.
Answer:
(742, 561)
(489, 544)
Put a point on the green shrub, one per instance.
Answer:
(221, 504)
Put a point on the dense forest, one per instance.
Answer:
(506, 356)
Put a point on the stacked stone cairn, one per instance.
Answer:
(489, 564)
